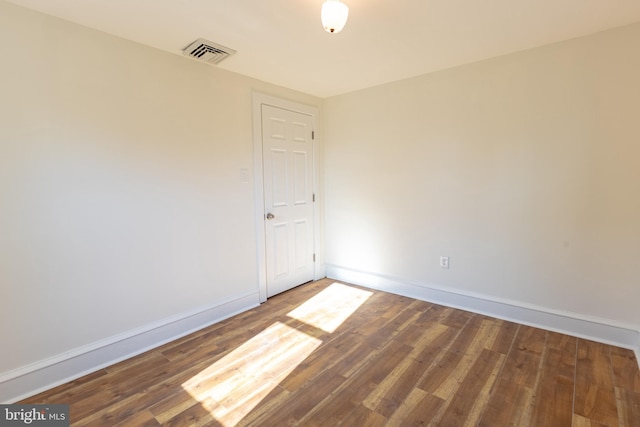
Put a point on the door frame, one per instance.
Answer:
(260, 99)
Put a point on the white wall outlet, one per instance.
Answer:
(444, 262)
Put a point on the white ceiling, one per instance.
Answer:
(283, 42)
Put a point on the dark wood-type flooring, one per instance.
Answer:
(327, 354)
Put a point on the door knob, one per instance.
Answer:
(270, 216)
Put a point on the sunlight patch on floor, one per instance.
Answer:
(230, 388)
(233, 386)
(330, 308)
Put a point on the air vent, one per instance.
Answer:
(206, 51)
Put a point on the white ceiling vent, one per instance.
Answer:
(206, 51)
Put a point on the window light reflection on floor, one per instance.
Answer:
(230, 388)
(233, 386)
(330, 308)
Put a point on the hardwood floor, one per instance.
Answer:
(328, 354)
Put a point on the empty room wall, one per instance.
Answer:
(126, 193)
(523, 169)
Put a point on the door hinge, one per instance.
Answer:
(313, 134)
(314, 257)
(313, 199)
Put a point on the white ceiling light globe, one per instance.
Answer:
(334, 16)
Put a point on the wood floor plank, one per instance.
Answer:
(363, 416)
(565, 344)
(139, 419)
(273, 407)
(441, 371)
(115, 413)
(479, 336)
(172, 405)
(458, 318)
(359, 386)
(435, 348)
(580, 421)
(394, 361)
(146, 396)
(553, 400)
(595, 394)
(337, 406)
(307, 398)
(412, 334)
(628, 403)
(625, 369)
(390, 393)
(344, 353)
(554, 394)
(507, 406)
(421, 410)
(390, 328)
(196, 415)
(506, 334)
(530, 339)
(465, 407)
(522, 368)
(70, 391)
(466, 336)
(122, 386)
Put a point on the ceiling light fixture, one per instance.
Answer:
(334, 15)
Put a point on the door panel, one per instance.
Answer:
(301, 251)
(280, 250)
(288, 191)
(278, 178)
(300, 190)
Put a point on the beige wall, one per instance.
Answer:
(524, 169)
(121, 195)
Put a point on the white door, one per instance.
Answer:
(287, 154)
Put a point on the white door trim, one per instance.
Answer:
(260, 99)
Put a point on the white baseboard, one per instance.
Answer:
(578, 325)
(45, 374)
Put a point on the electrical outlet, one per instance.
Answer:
(444, 262)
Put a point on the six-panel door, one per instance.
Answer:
(288, 195)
